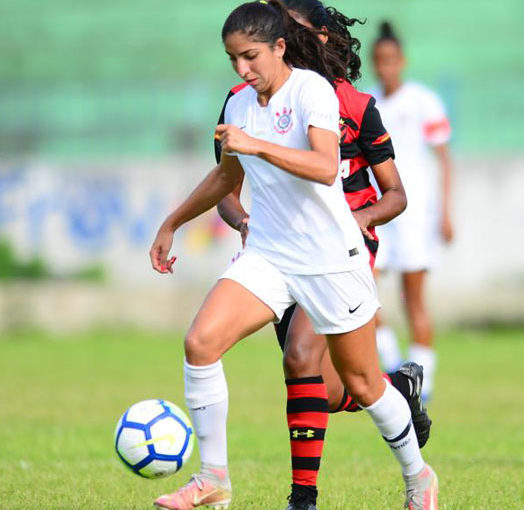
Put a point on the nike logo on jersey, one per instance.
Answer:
(356, 308)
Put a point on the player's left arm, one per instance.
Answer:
(393, 200)
(319, 164)
(376, 145)
(446, 166)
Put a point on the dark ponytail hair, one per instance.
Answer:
(340, 41)
(387, 34)
(269, 21)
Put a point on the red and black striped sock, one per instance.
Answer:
(307, 418)
(348, 404)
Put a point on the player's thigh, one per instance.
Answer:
(304, 349)
(355, 352)
(229, 313)
(355, 357)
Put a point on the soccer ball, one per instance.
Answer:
(154, 438)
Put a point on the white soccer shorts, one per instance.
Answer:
(407, 246)
(335, 302)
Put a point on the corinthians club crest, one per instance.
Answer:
(283, 121)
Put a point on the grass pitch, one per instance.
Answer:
(60, 399)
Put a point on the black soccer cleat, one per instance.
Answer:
(419, 414)
(301, 499)
(300, 505)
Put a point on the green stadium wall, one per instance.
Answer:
(148, 78)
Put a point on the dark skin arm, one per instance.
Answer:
(392, 202)
(233, 213)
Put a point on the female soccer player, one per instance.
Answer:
(364, 142)
(304, 245)
(417, 121)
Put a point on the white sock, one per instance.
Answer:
(392, 416)
(388, 349)
(207, 399)
(426, 357)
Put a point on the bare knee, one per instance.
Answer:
(200, 347)
(301, 361)
(335, 398)
(364, 388)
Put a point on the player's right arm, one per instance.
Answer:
(219, 182)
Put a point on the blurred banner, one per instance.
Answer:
(74, 217)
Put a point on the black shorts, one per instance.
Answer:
(282, 327)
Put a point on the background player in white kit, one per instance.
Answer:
(416, 118)
(304, 246)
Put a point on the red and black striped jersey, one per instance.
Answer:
(363, 142)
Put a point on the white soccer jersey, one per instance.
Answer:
(302, 227)
(416, 120)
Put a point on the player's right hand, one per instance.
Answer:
(160, 251)
(233, 140)
(363, 220)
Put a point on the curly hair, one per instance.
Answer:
(340, 41)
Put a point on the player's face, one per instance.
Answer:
(257, 63)
(389, 63)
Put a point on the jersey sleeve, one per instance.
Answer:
(437, 130)
(319, 105)
(221, 120)
(374, 141)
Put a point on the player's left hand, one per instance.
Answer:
(233, 139)
(363, 221)
(446, 229)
